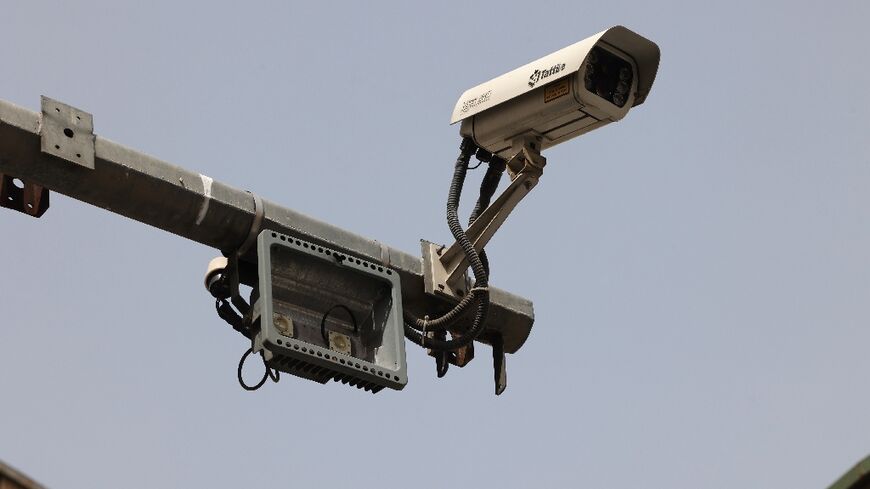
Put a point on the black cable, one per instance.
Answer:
(480, 291)
(262, 381)
(442, 358)
(488, 186)
(226, 312)
(234, 319)
(466, 150)
(445, 320)
(272, 373)
(326, 315)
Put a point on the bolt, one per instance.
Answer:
(283, 324)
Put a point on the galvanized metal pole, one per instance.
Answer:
(198, 208)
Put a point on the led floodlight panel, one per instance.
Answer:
(325, 315)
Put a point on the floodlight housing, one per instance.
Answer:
(324, 315)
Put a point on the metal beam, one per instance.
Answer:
(195, 207)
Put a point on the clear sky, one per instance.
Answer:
(700, 270)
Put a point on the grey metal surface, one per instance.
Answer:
(304, 282)
(435, 274)
(194, 206)
(67, 132)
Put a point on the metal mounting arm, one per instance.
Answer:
(444, 270)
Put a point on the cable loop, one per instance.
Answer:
(262, 381)
(325, 315)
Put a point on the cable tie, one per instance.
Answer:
(423, 336)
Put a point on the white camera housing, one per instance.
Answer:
(562, 95)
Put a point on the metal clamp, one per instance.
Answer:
(256, 224)
(222, 279)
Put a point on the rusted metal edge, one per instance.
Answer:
(858, 477)
(20, 480)
(22, 196)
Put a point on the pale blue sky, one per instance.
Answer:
(700, 270)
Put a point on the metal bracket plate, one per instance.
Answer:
(435, 275)
(67, 133)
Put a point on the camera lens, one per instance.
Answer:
(588, 81)
(619, 99)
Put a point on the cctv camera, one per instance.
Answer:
(562, 95)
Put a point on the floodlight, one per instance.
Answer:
(324, 315)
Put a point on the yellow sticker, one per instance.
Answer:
(557, 89)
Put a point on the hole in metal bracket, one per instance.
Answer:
(68, 132)
(21, 196)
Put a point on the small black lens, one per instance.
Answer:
(622, 87)
(618, 99)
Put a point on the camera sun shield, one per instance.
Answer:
(562, 95)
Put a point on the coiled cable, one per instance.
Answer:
(479, 294)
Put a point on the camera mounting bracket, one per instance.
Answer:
(445, 268)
